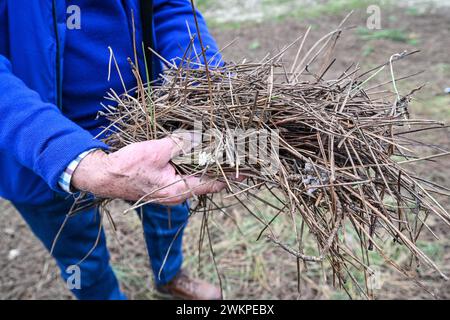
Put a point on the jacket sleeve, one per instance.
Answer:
(3, 26)
(172, 36)
(36, 133)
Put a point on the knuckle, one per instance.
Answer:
(164, 194)
(218, 187)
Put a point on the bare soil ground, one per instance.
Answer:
(251, 269)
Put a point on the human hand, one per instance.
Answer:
(142, 170)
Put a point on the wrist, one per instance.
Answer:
(91, 174)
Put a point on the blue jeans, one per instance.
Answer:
(163, 229)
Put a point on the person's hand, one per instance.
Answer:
(142, 170)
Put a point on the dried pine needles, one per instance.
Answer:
(327, 150)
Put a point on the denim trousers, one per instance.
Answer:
(163, 229)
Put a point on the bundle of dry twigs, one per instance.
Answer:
(331, 147)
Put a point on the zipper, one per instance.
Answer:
(58, 58)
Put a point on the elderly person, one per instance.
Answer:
(53, 76)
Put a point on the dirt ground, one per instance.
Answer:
(257, 270)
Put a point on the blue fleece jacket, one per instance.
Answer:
(52, 80)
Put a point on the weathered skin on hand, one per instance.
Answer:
(142, 170)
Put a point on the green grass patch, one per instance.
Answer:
(255, 44)
(203, 4)
(334, 8)
(442, 69)
(434, 250)
(290, 9)
(368, 50)
(413, 11)
(395, 35)
(437, 107)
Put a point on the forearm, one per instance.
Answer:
(36, 133)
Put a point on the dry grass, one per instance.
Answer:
(340, 150)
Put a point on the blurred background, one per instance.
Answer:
(251, 269)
